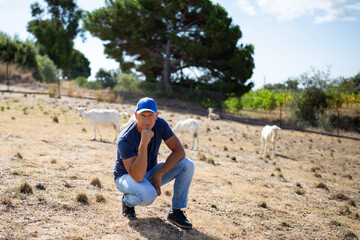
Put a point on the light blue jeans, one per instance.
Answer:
(144, 193)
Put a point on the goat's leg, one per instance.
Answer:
(266, 147)
(197, 137)
(193, 141)
(99, 133)
(274, 148)
(94, 137)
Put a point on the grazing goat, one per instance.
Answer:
(213, 116)
(268, 135)
(105, 117)
(188, 125)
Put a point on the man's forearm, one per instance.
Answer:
(139, 166)
(171, 161)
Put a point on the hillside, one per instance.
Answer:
(309, 190)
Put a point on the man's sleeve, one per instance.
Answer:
(167, 133)
(126, 149)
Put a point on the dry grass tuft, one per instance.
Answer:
(100, 198)
(335, 223)
(348, 176)
(55, 119)
(96, 182)
(322, 185)
(6, 201)
(26, 188)
(345, 211)
(111, 98)
(277, 169)
(263, 205)
(53, 92)
(352, 203)
(119, 99)
(201, 156)
(18, 156)
(318, 175)
(300, 191)
(339, 196)
(350, 235)
(40, 186)
(210, 160)
(82, 198)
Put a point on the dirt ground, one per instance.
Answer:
(309, 190)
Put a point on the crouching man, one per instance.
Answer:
(137, 172)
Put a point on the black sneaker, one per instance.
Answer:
(128, 212)
(177, 217)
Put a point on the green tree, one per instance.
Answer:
(14, 51)
(351, 84)
(106, 78)
(79, 66)
(274, 86)
(163, 38)
(57, 33)
(292, 85)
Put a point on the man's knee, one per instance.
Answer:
(188, 165)
(148, 197)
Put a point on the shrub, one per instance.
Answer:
(95, 85)
(309, 104)
(81, 81)
(128, 82)
(47, 70)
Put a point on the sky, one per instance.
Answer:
(290, 37)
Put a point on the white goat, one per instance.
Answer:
(105, 117)
(213, 116)
(268, 135)
(188, 125)
(130, 121)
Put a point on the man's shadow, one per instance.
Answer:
(157, 228)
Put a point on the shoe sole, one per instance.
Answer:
(179, 225)
(129, 217)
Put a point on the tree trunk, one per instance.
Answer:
(58, 81)
(166, 70)
(7, 76)
(338, 121)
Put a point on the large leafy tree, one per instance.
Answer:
(162, 38)
(57, 33)
(80, 66)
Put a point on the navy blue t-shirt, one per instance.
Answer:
(128, 143)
